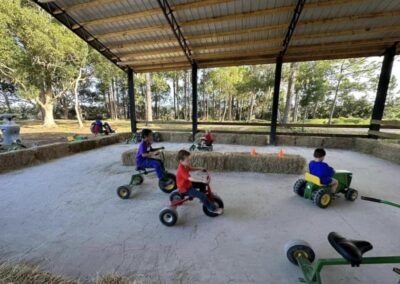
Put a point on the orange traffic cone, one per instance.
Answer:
(281, 153)
(253, 152)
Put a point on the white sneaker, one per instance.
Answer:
(219, 211)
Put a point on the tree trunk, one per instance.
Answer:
(230, 99)
(76, 93)
(46, 103)
(251, 106)
(174, 91)
(290, 91)
(296, 107)
(149, 110)
(336, 94)
(185, 110)
(7, 101)
(225, 108)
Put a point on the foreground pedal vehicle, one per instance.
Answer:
(169, 215)
(300, 253)
(311, 188)
(124, 191)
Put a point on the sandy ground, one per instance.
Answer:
(66, 216)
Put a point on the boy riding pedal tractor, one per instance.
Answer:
(148, 157)
(323, 170)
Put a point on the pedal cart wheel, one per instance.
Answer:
(322, 198)
(175, 196)
(351, 194)
(299, 187)
(137, 179)
(218, 203)
(294, 249)
(124, 191)
(168, 186)
(168, 216)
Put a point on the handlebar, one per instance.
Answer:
(371, 199)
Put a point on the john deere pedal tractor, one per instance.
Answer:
(311, 188)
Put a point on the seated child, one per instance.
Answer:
(99, 127)
(207, 138)
(147, 156)
(323, 170)
(187, 184)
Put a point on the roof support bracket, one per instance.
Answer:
(168, 13)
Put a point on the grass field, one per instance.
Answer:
(32, 131)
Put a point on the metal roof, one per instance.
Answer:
(137, 34)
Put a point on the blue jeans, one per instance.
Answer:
(193, 192)
(154, 164)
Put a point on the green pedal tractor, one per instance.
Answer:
(311, 188)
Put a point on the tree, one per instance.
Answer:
(39, 54)
(149, 110)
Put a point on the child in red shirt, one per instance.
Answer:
(207, 139)
(187, 184)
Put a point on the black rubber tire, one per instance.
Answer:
(171, 187)
(218, 202)
(293, 248)
(175, 195)
(156, 137)
(124, 191)
(299, 187)
(320, 196)
(138, 180)
(168, 216)
(351, 194)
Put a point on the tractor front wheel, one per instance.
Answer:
(298, 248)
(322, 198)
(124, 191)
(299, 187)
(351, 194)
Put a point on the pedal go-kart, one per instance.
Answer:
(124, 191)
(169, 215)
(137, 137)
(300, 253)
(311, 188)
(201, 146)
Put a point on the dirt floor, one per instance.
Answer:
(66, 216)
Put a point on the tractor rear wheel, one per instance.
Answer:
(322, 198)
(299, 187)
(351, 194)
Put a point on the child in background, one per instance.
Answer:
(207, 139)
(323, 170)
(189, 185)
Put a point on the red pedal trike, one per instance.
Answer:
(169, 215)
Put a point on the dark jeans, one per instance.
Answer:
(194, 192)
(155, 164)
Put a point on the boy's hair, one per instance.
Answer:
(146, 132)
(319, 153)
(182, 154)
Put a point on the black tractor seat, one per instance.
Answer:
(351, 250)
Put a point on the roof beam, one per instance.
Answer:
(238, 44)
(300, 24)
(264, 12)
(168, 13)
(147, 13)
(292, 26)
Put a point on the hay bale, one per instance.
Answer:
(51, 152)
(339, 142)
(214, 161)
(81, 146)
(23, 273)
(17, 159)
(364, 145)
(310, 141)
(108, 140)
(28, 274)
(286, 140)
(180, 137)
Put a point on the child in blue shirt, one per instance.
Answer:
(323, 170)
